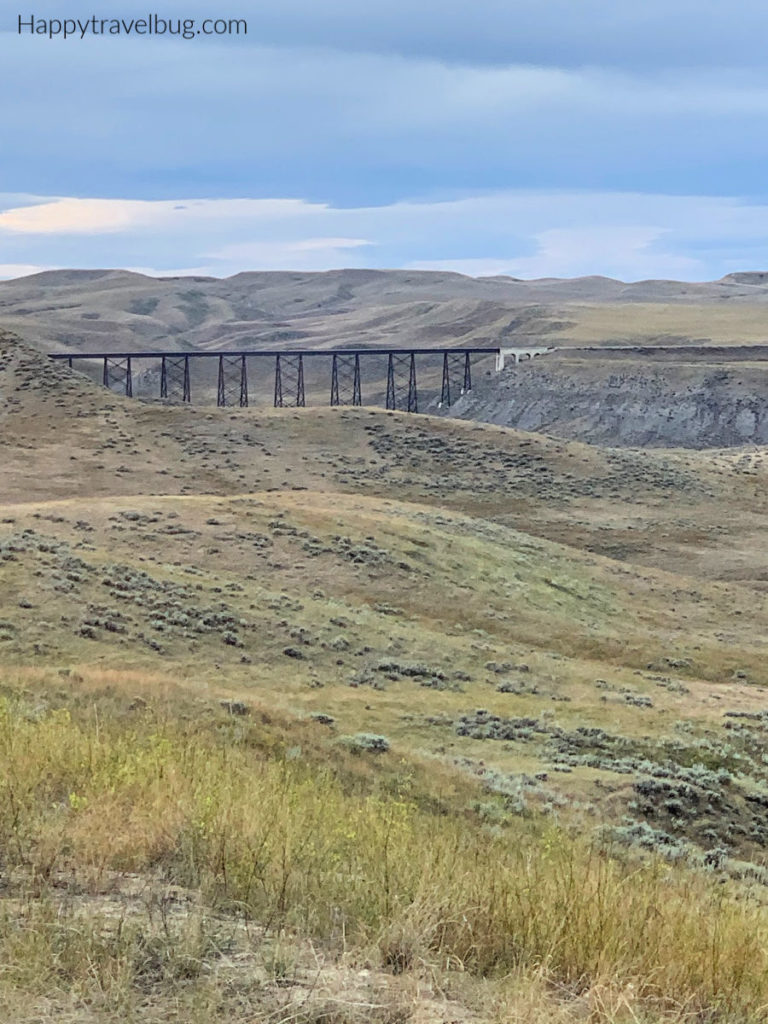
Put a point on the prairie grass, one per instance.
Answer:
(288, 845)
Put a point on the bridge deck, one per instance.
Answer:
(304, 352)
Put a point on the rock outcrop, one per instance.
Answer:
(627, 402)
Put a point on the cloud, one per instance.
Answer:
(305, 254)
(154, 119)
(63, 216)
(14, 270)
(523, 233)
(68, 216)
(623, 251)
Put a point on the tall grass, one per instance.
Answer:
(285, 843)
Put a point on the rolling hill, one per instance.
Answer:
(330, 693)
(90, 310)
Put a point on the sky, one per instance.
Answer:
(533, 138)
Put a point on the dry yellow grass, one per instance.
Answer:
(648, 323)
(288, 844)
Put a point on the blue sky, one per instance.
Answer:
(526, 137)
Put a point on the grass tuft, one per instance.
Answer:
(282, 843)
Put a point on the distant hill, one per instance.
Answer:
(83, 310)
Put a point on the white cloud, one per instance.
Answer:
(64, 216)
(13, 270)
(171, 271)
(520, 233)
(305, 254)
(623, 251)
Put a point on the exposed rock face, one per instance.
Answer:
(628, 402)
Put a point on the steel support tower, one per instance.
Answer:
(345, 379)
(289, 380)
(174, 378)
(233, 381)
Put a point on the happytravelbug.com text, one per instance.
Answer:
(151, 25)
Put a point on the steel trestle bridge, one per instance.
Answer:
(343, 373)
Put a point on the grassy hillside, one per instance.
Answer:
(176, 862)
(114, 310)
(341, 715)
